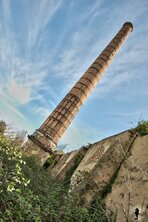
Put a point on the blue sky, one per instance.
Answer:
(45, 47)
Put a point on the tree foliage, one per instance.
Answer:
(29, 194)
(2, 127)
(141, 128)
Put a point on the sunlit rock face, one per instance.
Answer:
(116, 169)
(130, 190)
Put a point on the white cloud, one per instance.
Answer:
(20, 93)
(21, 77)
(13, 116)
(8, 108)
(138, 113)
(112, 82)
(11, 108)
(40, 15)
(43, 111)
(76, 136)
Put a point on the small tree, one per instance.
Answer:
(2, 127)
(20, 137)
(141, 128)
(17, 136)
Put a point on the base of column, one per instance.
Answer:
(36, 146)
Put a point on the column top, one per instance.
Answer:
(129, 24)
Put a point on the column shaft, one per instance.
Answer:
(47, 136)
(61, 117)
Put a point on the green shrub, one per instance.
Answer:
(70, 172)
(29, 194)
(141, 128)
(97, 210)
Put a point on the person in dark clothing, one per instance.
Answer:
(136, 213)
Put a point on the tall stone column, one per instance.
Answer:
(45, 138)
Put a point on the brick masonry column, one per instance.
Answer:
(56, 124)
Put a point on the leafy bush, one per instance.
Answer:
(30, 194)
(98, 211)
(141, 128)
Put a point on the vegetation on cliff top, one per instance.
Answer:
(29, 194)
(141, 129)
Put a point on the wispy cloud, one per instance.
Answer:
(43, 111)
(11, 108)
(40, 14)
(22, 77)
(13, 116)
(20, 93)
(82, 49)
(138, 113)
(76, 136)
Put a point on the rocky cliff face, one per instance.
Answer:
(115, 169)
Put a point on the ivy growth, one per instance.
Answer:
(72, 169)
(49, 161)
(108, 188)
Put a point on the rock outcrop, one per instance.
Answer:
(115, 169)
